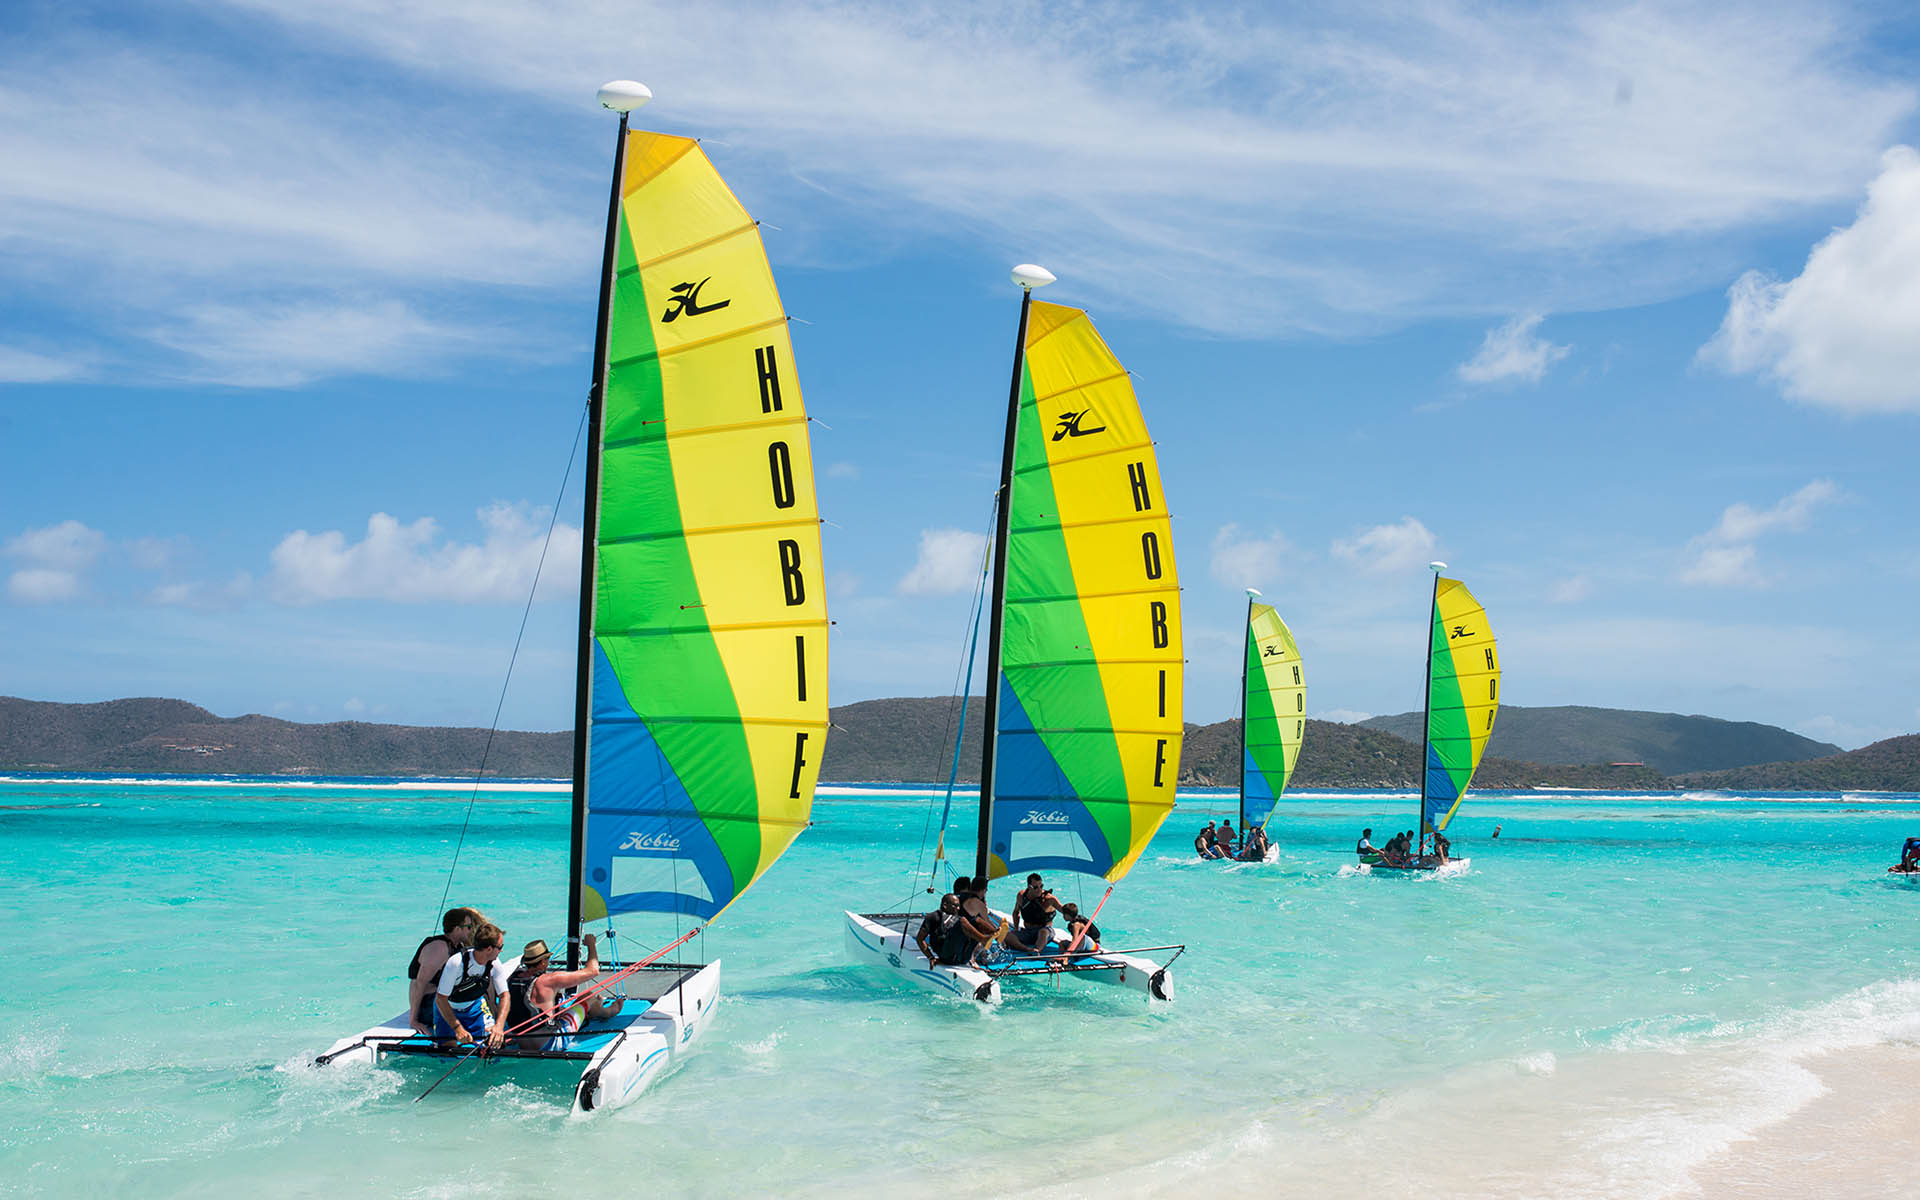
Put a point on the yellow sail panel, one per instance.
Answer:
(1275, 713)
(1089, 728)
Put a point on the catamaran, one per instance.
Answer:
(700, 699)
(1273, 718)
(1463, 697)
(1082, 731)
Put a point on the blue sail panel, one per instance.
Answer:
(1257, 798)
(647, 849)
(1038, 821)
(1440, 793)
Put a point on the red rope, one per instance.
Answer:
(609, 981)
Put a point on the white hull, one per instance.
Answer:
(889, 945)
(887, 942)
(1453, 866)
(618, 1058)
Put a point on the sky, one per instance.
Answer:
(1614, 307)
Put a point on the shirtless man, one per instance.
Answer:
(1225, 840)
(430, 958)
(547, 1001)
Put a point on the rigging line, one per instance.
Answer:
(964, 687)
(545, 545)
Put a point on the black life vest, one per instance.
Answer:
(470, 987)
(413, 968)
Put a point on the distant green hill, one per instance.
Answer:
(1892, 765)
(1667, 742)
(899, 740)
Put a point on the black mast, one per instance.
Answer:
(1243, 714)
(1426, 732)
(589, 531)
(999, 590)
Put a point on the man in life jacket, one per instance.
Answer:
(1205, 843)
(544, 995)
(430, 958)
(460, 1007)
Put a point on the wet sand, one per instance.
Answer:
(1856, 1140)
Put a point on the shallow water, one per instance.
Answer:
(1620, 986)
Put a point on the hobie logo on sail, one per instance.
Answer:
(663, 842)
(1037, 816)
(1070, 425)
(686, 302)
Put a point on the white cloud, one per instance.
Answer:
(1317, 170)
(1725, 556)
(24, 366)
(202, 595)
(57, 558)
(1571, 590)
(290, 345)
(43, 585)
(68, 546)
(156, 553)
(1344, 716)
(1244, 561)
(1513, 351)
(843, 470)
(413, 563)
(950, 561)
(1845, 333)
(1406, 543)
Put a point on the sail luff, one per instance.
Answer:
(989, 733)
(589, 525)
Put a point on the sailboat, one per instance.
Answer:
(1273, 716)
(1083, 726)
(1463, 697)
(700, 700)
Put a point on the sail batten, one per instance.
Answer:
(1087, 727)
(709, 623)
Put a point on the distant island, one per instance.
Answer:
(911, 740)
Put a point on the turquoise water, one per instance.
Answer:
(191, 946)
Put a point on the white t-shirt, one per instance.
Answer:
(451, 974)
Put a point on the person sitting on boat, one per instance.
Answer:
(1206, 842)
(460, 1008)
(1441, 846)
(1909, 858)
(940, 937)
(977, 922)
(1256, 847)
(1082, 928)
(430, 958)
(1365, 845)
(1033, 911)
(1225, 840)
(544, 1018)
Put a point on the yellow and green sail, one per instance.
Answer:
(1088, 730)
(709, 689)
(1275, 713)
(1463, 697)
